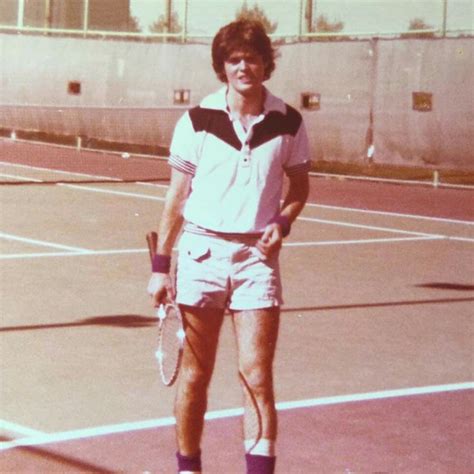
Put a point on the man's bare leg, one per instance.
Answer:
(202, 334)
(257, 333)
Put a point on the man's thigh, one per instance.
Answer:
(202, 326)
(257, 333)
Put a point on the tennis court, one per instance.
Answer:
(374, 368)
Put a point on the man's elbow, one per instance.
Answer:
(300, 187)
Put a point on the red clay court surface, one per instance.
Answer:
(374, 366)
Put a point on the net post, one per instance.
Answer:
(435, 178)
(78, 143)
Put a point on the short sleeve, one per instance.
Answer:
(183, 155)
(299, 159)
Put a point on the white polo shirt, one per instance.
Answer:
(238, 175)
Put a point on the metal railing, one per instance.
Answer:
(305, 30)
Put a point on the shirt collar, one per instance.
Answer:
(217, 101)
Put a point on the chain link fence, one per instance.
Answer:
(198, 20)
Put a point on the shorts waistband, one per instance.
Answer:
(231, 236)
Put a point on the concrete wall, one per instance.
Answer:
(445, 135)
(366, 93)
(341, 73)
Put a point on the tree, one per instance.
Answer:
(167, 25)
(323, 25)
(256, 14)
(133, 25)
(418, 24)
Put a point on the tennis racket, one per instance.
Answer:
(171, 338)
(171, 334)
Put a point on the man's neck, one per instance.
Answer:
(241, 105)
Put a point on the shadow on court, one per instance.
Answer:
(123, 321)
(134, 321)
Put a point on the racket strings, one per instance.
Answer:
(170, 347)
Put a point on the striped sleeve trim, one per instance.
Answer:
(182, 165)
(301, 168)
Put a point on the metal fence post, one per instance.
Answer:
(445, 17)
(185, 22)
(21, 14)
(85, 22)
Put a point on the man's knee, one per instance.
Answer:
(257, 380)
(194, 379)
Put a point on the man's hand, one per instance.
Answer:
(271, 240)
(160, 288)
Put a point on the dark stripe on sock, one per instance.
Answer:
(260, 464)
(189, 463)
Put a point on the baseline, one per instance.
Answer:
(230, 413)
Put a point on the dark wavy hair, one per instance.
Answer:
(246, 35)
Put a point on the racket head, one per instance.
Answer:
(171, 337)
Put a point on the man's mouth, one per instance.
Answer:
(245, 79)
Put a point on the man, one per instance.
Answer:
(228, 158)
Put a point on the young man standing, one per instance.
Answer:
(229, 156)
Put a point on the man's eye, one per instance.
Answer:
(247, 59)
(252, 59)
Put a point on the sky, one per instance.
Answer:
(375, 16)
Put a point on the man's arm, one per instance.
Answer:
(160, 284)
(293, 204)
(296, 197)
(172, 216)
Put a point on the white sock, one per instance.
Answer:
(262, 447)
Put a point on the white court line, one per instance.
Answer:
(369, 227)
(85, 253)
(72, 173)
(16, 428)
(156, 185)
(109, 191)
(386, 229)
(230, 413)
(308, 204)
(41, 243)
(361, 241)
(302, 218)
(427, 182)
(390, 214)
(20, 178)
(52, 170)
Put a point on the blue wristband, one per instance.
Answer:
(284, 223)
(161, 263)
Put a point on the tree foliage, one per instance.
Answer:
(161, 25)
(256, 14)
(324, 25)
(132, 25)
(418, 24)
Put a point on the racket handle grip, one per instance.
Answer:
(152, 241)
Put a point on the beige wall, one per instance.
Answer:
(444, 135)
(124, 84)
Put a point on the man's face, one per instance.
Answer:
(245, 71)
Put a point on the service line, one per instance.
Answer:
(87, 433)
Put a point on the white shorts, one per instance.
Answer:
(221, 272)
